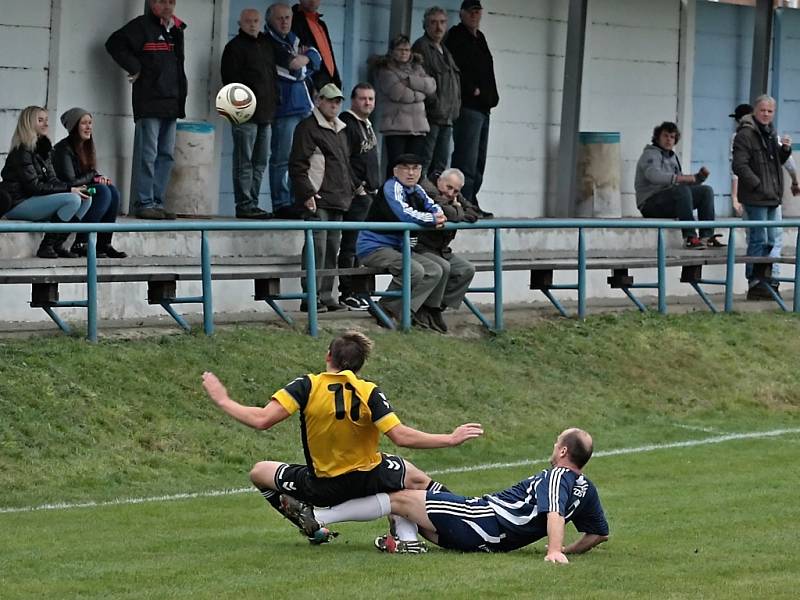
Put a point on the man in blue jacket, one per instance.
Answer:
(403, 199)
(150, 49)
(295, 65)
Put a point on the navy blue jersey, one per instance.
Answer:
(522, 509)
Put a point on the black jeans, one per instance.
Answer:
(678, 202)
(402, 144)
(347, 249)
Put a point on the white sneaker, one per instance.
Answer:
(354, 303)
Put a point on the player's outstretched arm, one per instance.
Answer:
(585, 543)
(408, 437)
(555, 539)
(253, 416)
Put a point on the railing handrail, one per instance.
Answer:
(205, 225)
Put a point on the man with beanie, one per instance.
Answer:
(150, 49)
(478, 97)
(249, 59)
(758, 157)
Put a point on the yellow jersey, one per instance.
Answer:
(341, 419)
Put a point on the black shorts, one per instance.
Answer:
(298, 482)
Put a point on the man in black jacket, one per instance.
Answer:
(365, 163)
(308, 25)
(249, 59)
(478, 97)
(150, 49)
(757, 162)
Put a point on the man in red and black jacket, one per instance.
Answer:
(308, 26)
(150, 49)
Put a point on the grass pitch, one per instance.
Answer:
(82, 422)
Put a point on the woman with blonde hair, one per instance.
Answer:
(30, 181)
(75, 162)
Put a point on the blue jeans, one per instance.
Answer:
(153, 148)
(250, 145)
(104, 209)
(470, 144)
(757, 237)
(44, 208)
(280, 147)
(436, 154)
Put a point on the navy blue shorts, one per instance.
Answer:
(465, 524)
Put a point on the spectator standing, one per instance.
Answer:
(249, 59)
(758, 157)
(664, 192)
(308, 25)
(478, 97)
(403, 85)
(443, 107)
(774, 234)
(403, 199)
(75, 163)
(457, 272)
(34, 193)
(365, 162)
(151, 50)
(319, 166)
(295, 65)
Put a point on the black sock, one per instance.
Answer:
(273, 497)
(436, 487)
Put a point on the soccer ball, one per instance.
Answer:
(236, 102)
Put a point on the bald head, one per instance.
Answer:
(250, 21)
(573, 447)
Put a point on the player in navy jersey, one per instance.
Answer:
(530, 510)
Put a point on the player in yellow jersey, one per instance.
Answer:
(341, 419)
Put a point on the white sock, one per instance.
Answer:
(368, 508)
(406, 530)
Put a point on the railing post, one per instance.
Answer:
(581, 274)
(311, 284)
(406, 316)
(796, 296)
(91, 287)
(662, 272)
(208, 300)
(498, 281)
(730, 269)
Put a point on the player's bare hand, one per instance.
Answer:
(311, 203)
(214, 388)
(556, 557)
(465, 432)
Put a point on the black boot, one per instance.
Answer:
(79, 245)
(105, 249)
(46, 247)
(58, 246)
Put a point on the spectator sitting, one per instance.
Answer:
(30, 181)
(323, 180)
(249, 59)
(403, 199)
(402, 86)
(364, 161)
(664, 192)
(457, 272)
(150, 49)
(443, 107)
(295, 65)
(75, 163)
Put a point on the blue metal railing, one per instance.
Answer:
(308, 227)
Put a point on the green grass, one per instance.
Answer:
(83, 422)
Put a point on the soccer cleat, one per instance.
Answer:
(391, 545)
(301, 514)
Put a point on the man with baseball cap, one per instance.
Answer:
(403, 199)
(323, 182)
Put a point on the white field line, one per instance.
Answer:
(755, 435)
(697, 428)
